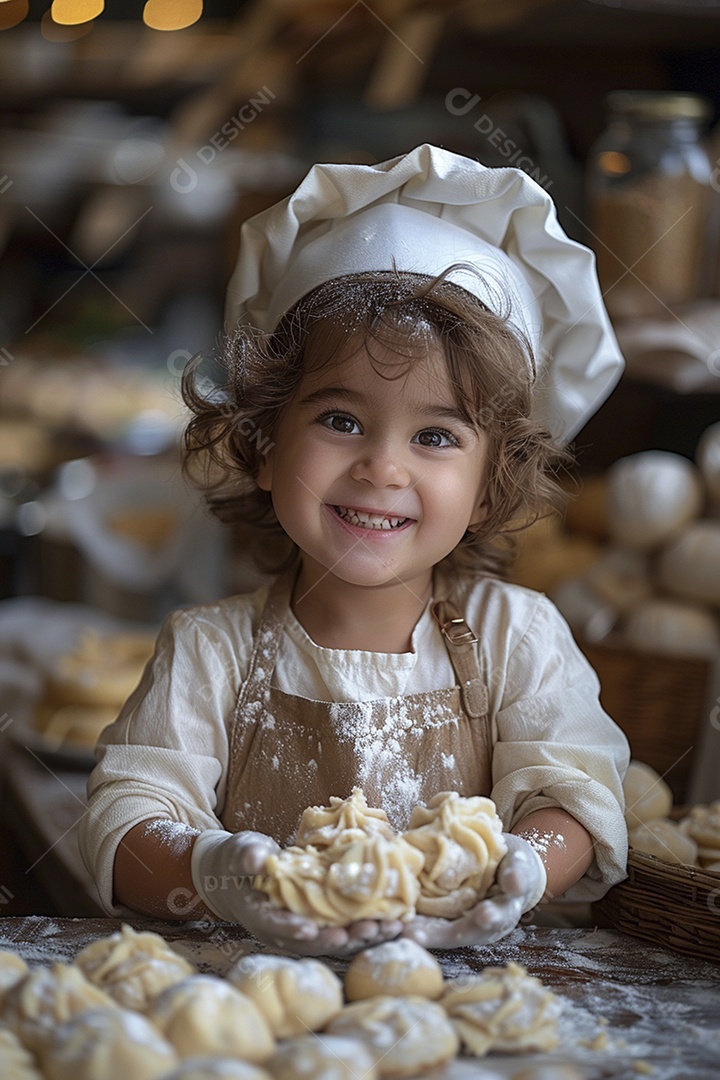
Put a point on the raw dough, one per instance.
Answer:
(107, 1044)
(294, 996)
(647, 796)
(323, 1057)
(367, 878)
(207, 1015)
(689, 567)
(49, 996)
(321, 826)
(503, 1009)
(214, 1068)
(406, 1034)
(702, 825)
(12, 969)
(665, 840)
(462, 843)
(133, 968)
(397, 968)
(16, 1062)
(651, 496)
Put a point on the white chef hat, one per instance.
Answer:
(424, 212)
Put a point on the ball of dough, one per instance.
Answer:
(702, 825)
(647, 796)
(206, 1015)
(294, 996)
(621, 577)
(323, 1057)
(132, 967)
(49, 996)
(707, 457)
(396, 968)
(690, 566)
(462, 842)
(370, 877)
(322, 826)
(16, 1061)
(673, 628)
(12, 969)
(406, 1034)
(651, 496)
(214, 1068)
(503, 1009)
(112, 1044)
(665, 840)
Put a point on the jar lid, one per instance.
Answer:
(658, 105)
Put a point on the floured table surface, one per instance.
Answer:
(629, 1009)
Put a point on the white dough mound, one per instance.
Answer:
(132, 967)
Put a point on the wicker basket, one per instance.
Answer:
(658, 701)
(677, 907)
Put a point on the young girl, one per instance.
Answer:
(408, 345)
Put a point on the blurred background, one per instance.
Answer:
(136, 137)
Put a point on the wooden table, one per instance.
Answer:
(629, 1009)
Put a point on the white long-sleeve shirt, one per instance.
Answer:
(166, 756)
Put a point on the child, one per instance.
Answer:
(408, 345)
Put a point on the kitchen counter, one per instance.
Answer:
(629, 1009)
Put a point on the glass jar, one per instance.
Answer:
(648, 188)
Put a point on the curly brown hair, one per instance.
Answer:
(490, 366)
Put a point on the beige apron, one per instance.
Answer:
(289, 752)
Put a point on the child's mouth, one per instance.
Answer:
(361, 519)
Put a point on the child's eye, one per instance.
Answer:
(436, 437)
(346, 425)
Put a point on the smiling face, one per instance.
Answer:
(374, 472)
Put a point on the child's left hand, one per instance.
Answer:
(521, 882)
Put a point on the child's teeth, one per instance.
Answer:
(369, 521)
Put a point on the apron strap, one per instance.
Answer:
(459, 641)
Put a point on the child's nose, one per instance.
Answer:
(382, 467)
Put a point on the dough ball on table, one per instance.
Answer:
(396, 968)
(107, 1044)
(651, 496)
(673, 628)
(16, 1061)
(215, 1068)
(206, 1015)
(503, 1009)
(689, 567)
(707, 456)
(49, 996)
(132, 967)
(407, 1035)
(462, 842)
(665, 840)
(323, 1057)
(366, 877)
(321, 826)
(12, 969)
(702, 825)
(647, 796)
(294, 996)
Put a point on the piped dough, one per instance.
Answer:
(132, 967)
(323, 826)
(214, 1068)
(12, 969)
(407, 1035)
(398, 968)
(49, 996)
(323, 1057)
(107, 1044)
(294, 996)
(206, 1015)
(16, 1062)
(702, 825)
(503, 1009)
(462, 842)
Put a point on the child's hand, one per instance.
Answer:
(222, 864)
(521, 881)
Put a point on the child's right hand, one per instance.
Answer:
(223, 865)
